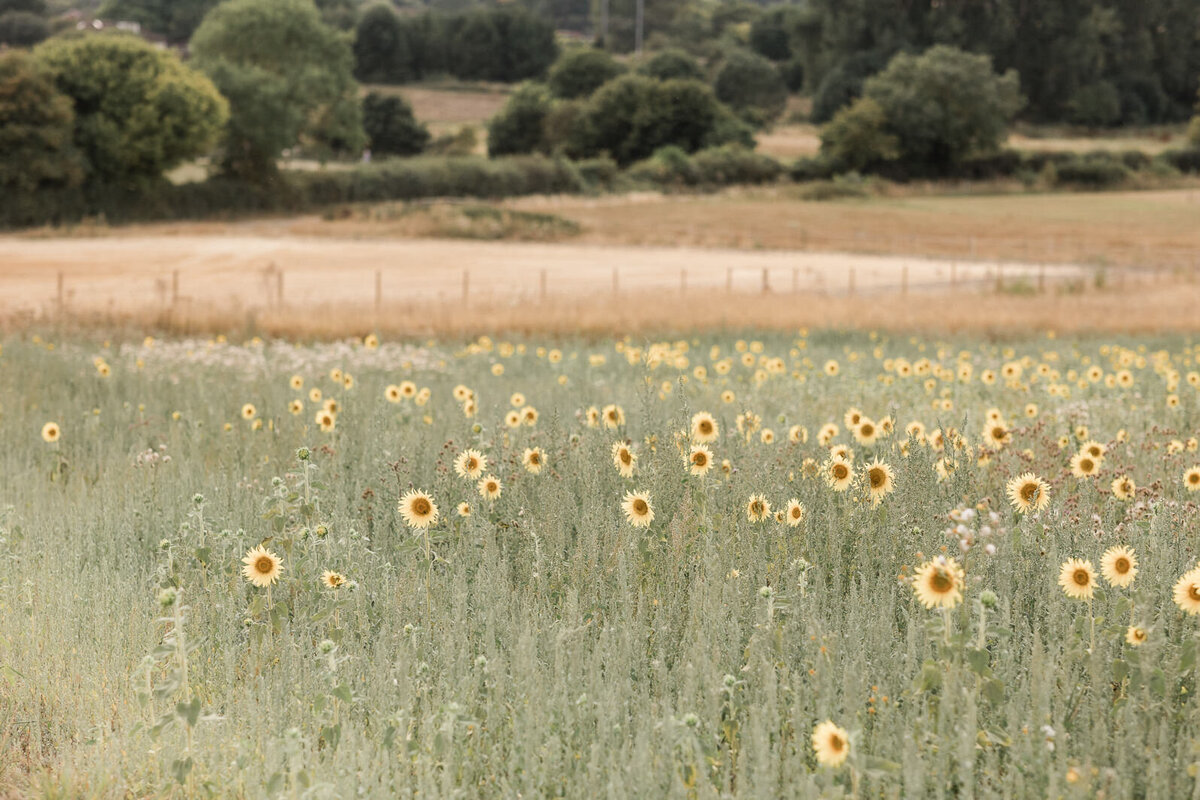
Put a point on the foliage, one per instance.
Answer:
(517, 128)
(288, 80)
(751, 85)
(382, 51)
(175, 19)
(391, 127)
(36, 129)
(581, 71)
(858, 137)
(22, 28)
(138, 110)
(843, 84)
(1095, 105)
(671, 64)
(944, 105)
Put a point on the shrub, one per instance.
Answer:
(1186, 160)
(1096, 105)
(671, 65)
(1091, 173)
(858, 137)
(518, 127)
(1001, 164)
(733, 164)
(770, 33)
(843, 84)
(812, 169)
(751, 85)
(669, 167)
(382, 53)
(579, 72)
(391, 127)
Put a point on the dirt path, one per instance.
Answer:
(245, 271)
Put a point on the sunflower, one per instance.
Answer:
(418, 509)
(392, 393)
(489, 487)
(103, 370)
(1187, 591)
(249, 411)
(1191, 479)
(470, 464)
(513, 419)
(879, 480)
(831, 744)
(1123, 487)
(1118, 565)
(1135, 636)
(464, 509)
(826, 434)
(1083, 465)
(638, 511)
(296, 407)
(1094, 449)
(613, 416)
(262, 567)
(842, 452)
(461, 393)
(838, 474)
(314, 395)
(517, 400)
(915, 430)
(852, 417)
(757, 508)
(996, 435)
(797, 434)
(1077, 578)
(332, 406)
(1028, 493)
(51, 432)
(529, 416)
(624, 459)
(326, 421)
(333, 579)
(534, 459)
(408, 389)
(593, 417)
(296, 382)
(793, 515)
(938, 583)
(866, 432)
(700, 460)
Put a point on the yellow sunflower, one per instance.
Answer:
(1119, 566)
(866, 432)
(1028, 492)
(513, 419)
(757, 508)
(392, 393)
(624, 459)
(332, 579)
(1077, 579)
(489, 487)
(638, 510)
(831, 744)
(1186, 593)
(793, 515)
(470, 464)
(464, 509)
(249, 411)
(51, 432)
(262, 567)
(418, 509)
(838, 474)
(1135, 636)
(879, 480)
(1123, 487)
(700, 460)
(534, 459)
(1191, 479)
(1083, 465)
(938, 583)
(613, 416)
(704, 428)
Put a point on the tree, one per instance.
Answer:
(858, 138)
(528, 43)
(751, 85)
(578, 73)
(391, 126)
(770, 33)
(944, 105)
(381, 49)
(36, 126)
(174, 19)
(517, 128)
(668, 64)
(37, 7)
(138, 110)
(288, 79)
(22, 28)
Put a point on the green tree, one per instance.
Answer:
(673, 63)
(37, 7)
(36, 126)
(381, 49)
(944, 105)
(391, 126)
(174, 19)
(579, 72)
(857, 137)
(288, 79)
(22, 28)
(752, 86)
(138, 110)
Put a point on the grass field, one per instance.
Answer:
(738, 611)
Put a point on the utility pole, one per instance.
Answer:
(639, 27)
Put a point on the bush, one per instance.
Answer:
(816, 168)
(669, 167)
(671, 65)
(579, 72)
(733, 164)
(22, 28)
(843, 84)
(770, 34)
(1001, 164)
(750, 85)
(382, 53)
(858, 137)
(1095, 105)
(1091, 173)
(518, 127)
(391, 127)
(598, 173)
(1186, 160)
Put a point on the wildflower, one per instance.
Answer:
(249, 411)
(1186, 593)
(1083, 465)
(1191, 478)
(51, 432)
(464, 509)
(1123, 487)
(1118, 565)
(489, 487)
(470, 464)
(262, 567)
(638, 511)
(392, 393)
(830, 743)
(613, 416)
(838, 475)
(418, 509)
(332, 579)
(700, 460)
(534, 459)
(1077, 579)
(757, 508)
(624, 459)
(793, 515)
(1028, 493)
(879, 480)
(1135, 636)
(938, 583)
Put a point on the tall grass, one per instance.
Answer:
(545, 647)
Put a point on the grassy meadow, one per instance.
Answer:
(806, 565)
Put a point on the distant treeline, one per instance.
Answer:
(506, 44)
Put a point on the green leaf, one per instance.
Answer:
(978, 659)
(180, 769)
(342, 692)
(189, 712)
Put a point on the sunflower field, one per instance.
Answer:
(745, 565)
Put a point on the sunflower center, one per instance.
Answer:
(836, 743)
(878, 478)
(840, 471)
(264, 565)
(1029, 492)
(867, 430)
(941, 583)
(1081, 577)
(625, 457)
(705, 427)
(421, 506)
(1194, 477)
(1194, 592)
(534, 458)
(796, 512)
(1086, 465)
(699, 459)
(640, 507)
(756, 507)
(1121, 566)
